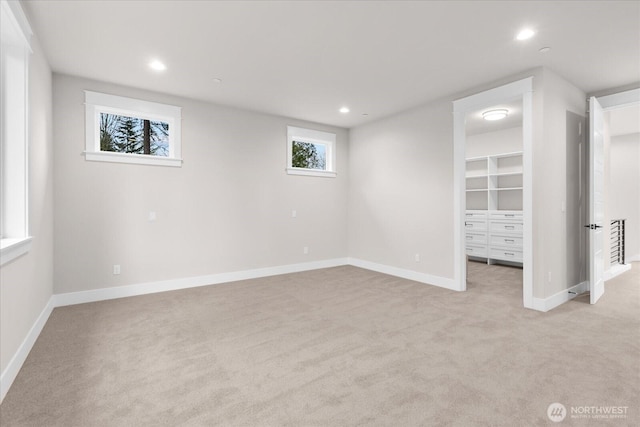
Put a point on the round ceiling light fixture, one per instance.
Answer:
(525, 34)
(493, 115)
(157, 65)
(344, 110)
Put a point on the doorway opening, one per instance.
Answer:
(493, 186)
(620, 214)
(622, 188)
(493, 182)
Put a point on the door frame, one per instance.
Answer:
(461, 107)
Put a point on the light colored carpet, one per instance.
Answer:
(334, 347)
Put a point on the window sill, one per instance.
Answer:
(11, 249)
(141, 159)
(311, 172)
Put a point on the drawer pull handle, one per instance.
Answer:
(509, 254)
(509, 240)
(509, 214)
(509, 227)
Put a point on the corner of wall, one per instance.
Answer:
(26, 284)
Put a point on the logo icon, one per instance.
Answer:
(556, 412)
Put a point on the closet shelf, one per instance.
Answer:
(497, 156)
(494, 182)
(505, 174)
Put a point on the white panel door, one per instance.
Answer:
(596, 200)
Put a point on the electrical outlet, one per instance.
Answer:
(116, 268)
(549, 277)
(417, 257)
(305, 250)
(294, 214)
(152, 216)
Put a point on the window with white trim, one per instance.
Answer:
(15, 50)
(127, 130)
(311, 152)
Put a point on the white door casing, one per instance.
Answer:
(522, 88)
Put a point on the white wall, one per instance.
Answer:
(402, 181)
(496, 142)
(623, 195)
(26, 283)
(228, 208)
(230, 204)
(401, 187)
(550, 185)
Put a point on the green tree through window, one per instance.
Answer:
(123, 134)
(307, 155)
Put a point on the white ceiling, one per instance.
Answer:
(306, 59)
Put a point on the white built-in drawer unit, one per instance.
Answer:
(506, 240)
(476, 238)
(476, 215)
(504, 226)
(495, 235)
(506, 215)
(475, 225)
(479, 251)
(505, 254)
(494, 221)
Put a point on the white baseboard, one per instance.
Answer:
(633, 258)
(549, 303)
(15, 364)
(546, 304)
(429, 279)
(616, 270)
(103, 294)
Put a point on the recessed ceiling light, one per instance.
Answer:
(344, 110)
(525, 34)
(157, 65)
(493, 115)
(365, 114)
(217, 80)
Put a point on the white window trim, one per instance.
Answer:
(11, 249)
(96, 103)
(16, 241)
(317, 137)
